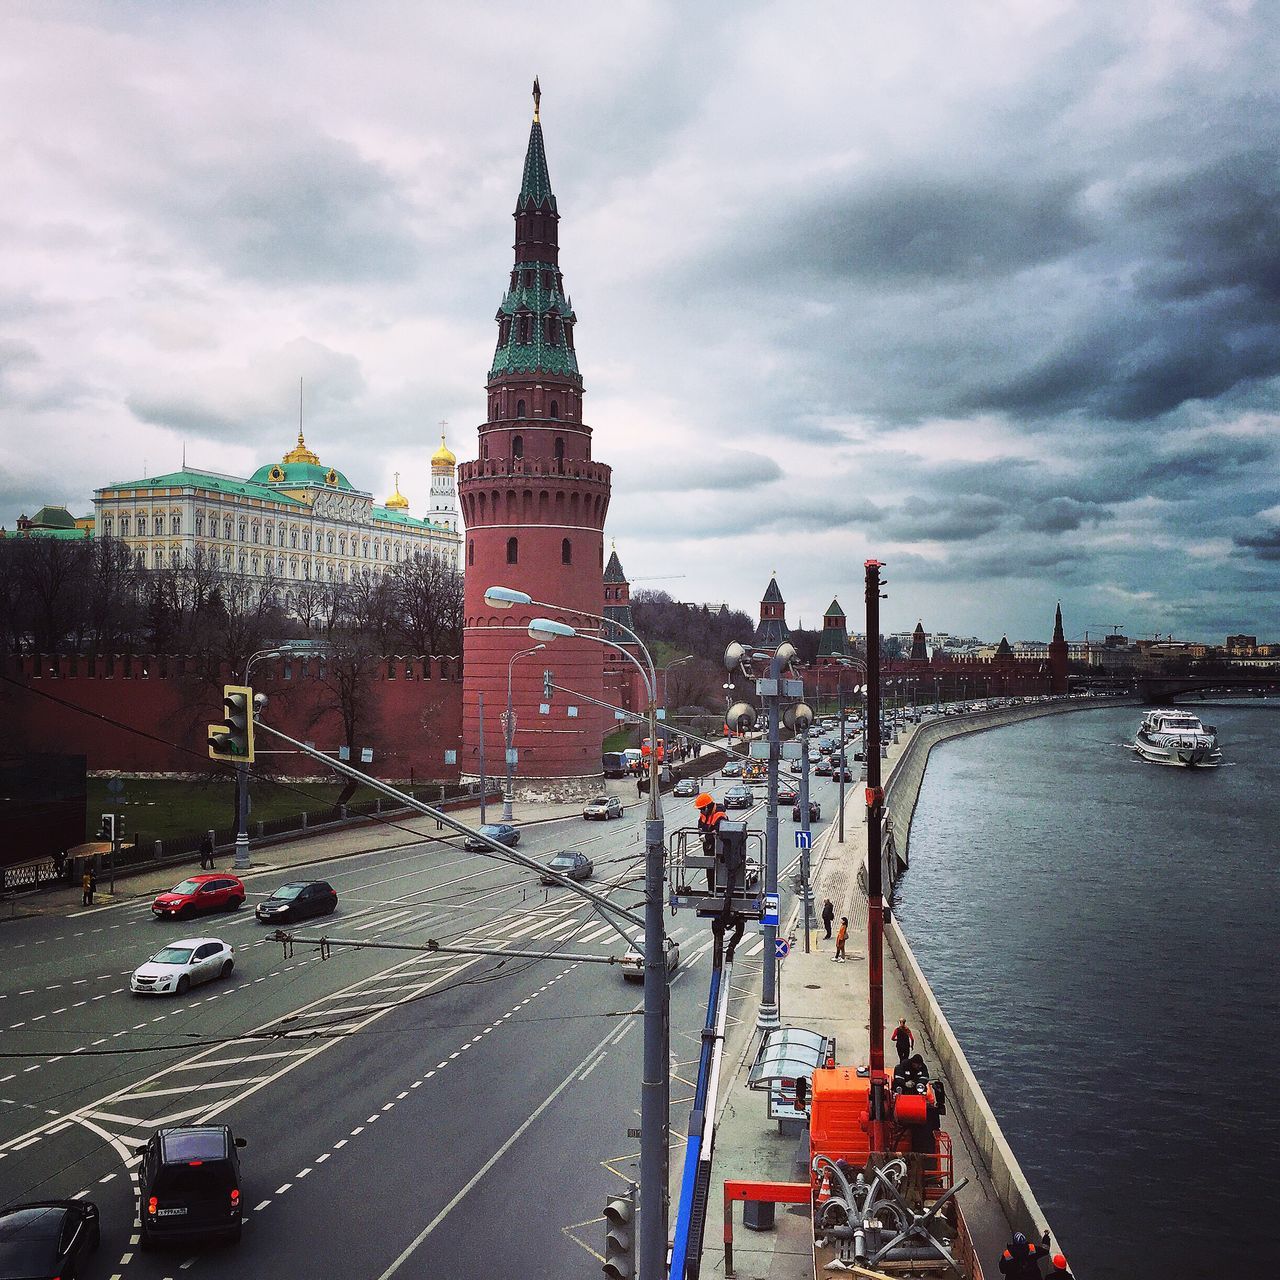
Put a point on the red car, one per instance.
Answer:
(198, 894)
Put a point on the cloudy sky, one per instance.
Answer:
(987, 291)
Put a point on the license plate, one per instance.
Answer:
(169, 1213)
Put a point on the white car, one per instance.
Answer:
(179, 966)
(633, 960)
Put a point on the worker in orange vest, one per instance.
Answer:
(1021, 1259)
(710, 816)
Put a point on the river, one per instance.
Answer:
(1102, 934)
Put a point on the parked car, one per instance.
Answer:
(787, 794)
(815, 811)
(633, 959)
(603, 807)
(197, 895)
(739, 798)
(175, 969)
(46, 1239)
(571, 863)
(685, 787)
(189, 1185)
(299, 900)
(732, 769)
(502, 832)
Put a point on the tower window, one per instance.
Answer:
(555, 408)
(566, 551)
(504, 330)
(517, 445)
(471, 551)
(513, 550)
(484, 450)
(559, 445)
(519, 408)
(528, 279)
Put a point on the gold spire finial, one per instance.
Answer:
(397, 501)
(537, 99)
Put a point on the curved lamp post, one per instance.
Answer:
(509, 727)
(655, 1084)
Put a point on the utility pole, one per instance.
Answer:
(803, 718)
(484, 786)
(875, 889)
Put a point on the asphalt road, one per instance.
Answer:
(407, 1114)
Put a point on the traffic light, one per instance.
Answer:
(548, 679)
(107, 827)
(620, 1236)
(232, 740)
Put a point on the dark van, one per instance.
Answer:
(189, 1185)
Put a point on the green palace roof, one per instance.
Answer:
(206, 480)
(401, 517)
(302, 473)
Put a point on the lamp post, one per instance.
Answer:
(241, 861)
(509, 728)
(654, 1086)
(666, 710)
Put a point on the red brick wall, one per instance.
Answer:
(93, 703)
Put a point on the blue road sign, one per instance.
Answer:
(781, 948)
(804, 839)
(770, 916)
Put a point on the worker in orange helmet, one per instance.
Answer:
(1060, 1271)
(710, 815)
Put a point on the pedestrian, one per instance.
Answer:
(88, 884)
(639, 788)
(60, 863)
(842, 936)
(903, 1040)
(828, 916)
(1060, 1271)
(206, 852)
(1021, 1259)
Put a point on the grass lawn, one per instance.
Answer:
(620, 740)
(163, 809)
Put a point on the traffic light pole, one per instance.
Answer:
(804, 827)
(769, 1018)
(241, 862)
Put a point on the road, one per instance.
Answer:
(407, 1114)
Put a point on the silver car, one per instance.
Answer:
(633, 960)
(178, 967)
(603, 807)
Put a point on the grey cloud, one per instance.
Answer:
(945, 519)
(730, 469)
(300, 210)
(1061, 515)
(1265, 545)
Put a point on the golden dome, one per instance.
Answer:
(300, 453)
(444, 456)
(397, 501)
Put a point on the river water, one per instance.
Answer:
(1102, 934)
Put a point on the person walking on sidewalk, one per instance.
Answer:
(828, 916)
(842, 936)
(903, 1040)
(88, 884)
(206, 852)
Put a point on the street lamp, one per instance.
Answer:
(666, 709)
(509, 727)
(655, 1081)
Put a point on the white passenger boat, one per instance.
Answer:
(1178, 738)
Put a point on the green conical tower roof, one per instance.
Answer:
(535, 190)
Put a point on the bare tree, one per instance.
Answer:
(427, 595)
(349, 673)
(53, 574)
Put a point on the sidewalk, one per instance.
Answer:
(832, 999)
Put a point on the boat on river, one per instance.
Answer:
(1179, 738)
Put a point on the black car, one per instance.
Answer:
(823, 768)
(739, 798)
(571, 864)
(685, 787)
(189, 1185)
(47, 1238)
(815, 811)
(839, 772)
(298, 901)
(502, 832)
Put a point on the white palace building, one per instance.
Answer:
(295, 520)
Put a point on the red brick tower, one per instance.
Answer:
(534, 506)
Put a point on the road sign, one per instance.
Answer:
(770, 916)
(804, 839)
(781, 948)
(513, 755)
(344, 753)
(366, 755)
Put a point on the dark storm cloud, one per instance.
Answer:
(945, 519)
(731, 469)
(1265, 545)
(290, 210)
(1183, 471)
(1062, 515)
(904, 229)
